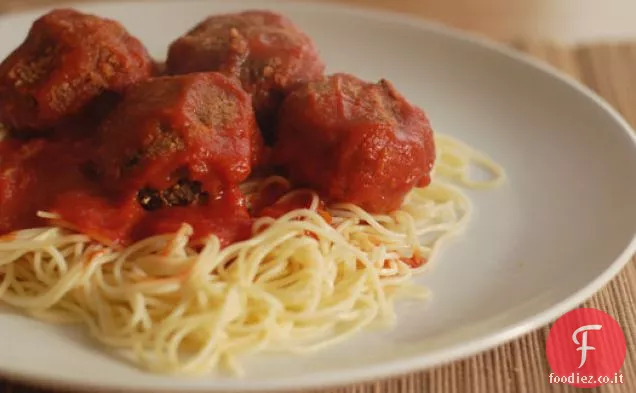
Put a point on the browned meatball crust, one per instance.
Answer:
(177, 136)
(67, 60)
(354, 142)
(264, 50)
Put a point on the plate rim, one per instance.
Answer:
(407, 364)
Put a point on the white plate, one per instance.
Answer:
(562, 226)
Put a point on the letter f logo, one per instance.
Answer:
(583, 344)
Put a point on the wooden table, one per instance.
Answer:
(519, 366)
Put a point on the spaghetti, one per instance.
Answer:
(302, 282)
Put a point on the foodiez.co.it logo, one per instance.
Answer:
(586, 348)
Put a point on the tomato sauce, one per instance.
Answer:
(48, 175)
(270, 202)
(415, 261)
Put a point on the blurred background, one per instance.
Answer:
(565, 21)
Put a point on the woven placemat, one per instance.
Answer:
(521, 366)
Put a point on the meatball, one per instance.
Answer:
(66, 61)
(177, 140)
(264, 50)
(354, 142)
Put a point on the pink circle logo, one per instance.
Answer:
(586, 348)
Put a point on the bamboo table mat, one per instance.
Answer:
(521, 366)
